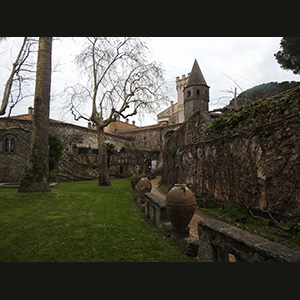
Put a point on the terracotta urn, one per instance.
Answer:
(134, 180)
(143, 186)
(180, 206)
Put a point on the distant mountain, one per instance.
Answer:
(260, 92)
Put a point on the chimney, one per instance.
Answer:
(133, 123)
(30, 110)
(126, 121)
(172, 107)
(89, 125)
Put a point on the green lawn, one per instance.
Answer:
(80, 222)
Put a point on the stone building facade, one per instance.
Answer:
(79, 155)
(132, 148)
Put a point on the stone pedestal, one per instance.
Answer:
(188, 244)
(180, 234)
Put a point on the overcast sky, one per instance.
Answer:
(247, 60)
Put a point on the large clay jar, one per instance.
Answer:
(134, 180)
(180, 206)
(143, 186)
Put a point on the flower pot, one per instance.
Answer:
(180, 206)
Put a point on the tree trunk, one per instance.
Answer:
(36, 179)
(102, 159)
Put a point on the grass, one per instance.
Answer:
(80, 222)
(163, 189)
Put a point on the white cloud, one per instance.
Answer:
(249, 60)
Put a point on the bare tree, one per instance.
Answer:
(232, 92)
(120, 82)
(13, 93)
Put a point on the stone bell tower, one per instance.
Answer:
(196, 92)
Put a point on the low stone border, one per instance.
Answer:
(155, 209)
(217, 239)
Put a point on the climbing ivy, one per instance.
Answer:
(269, 110)
(55, 151)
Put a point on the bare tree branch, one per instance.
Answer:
(120, 83)
(119, 77)
(15, 78)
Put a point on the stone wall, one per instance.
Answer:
(83, 166)
(13, 164)
(217, 239)
(145, 138)
(130, 150)
(72, 165)
(251, 158)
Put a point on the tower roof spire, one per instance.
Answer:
(196, 77)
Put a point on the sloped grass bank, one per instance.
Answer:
(80, 222)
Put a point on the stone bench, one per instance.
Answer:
(155, 209)
(217, 239)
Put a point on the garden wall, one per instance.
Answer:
(217, 239)
(251, 158)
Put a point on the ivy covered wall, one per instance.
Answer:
(251, 158)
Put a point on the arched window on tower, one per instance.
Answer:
(12, 145)
(9, 146)
(198, 92)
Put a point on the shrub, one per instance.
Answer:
(234, 211)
